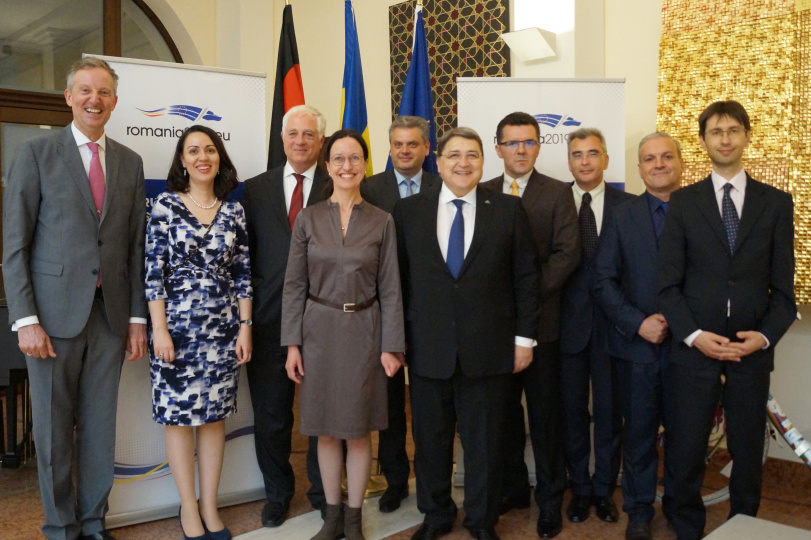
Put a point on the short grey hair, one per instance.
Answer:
(90, 62)
(411, 122)
(464, 132)
(585, 133)
(656, 135)
(320, 120)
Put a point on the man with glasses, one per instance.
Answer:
(726, 287)
(583, 343)
(409, 146)
(471, 308)
(553, 219)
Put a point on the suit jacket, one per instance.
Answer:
(556, 234)
(55, 245)
(579, 313)
(472, 319)
(625, 281)
(699, 278)
(269, 240)
(381, 189)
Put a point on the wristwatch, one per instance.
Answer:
(249, 322)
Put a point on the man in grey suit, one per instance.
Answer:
(74, 216)
(410, 145)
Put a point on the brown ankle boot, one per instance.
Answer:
(333, 527)
(353, 523)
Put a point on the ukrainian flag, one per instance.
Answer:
(353, 97)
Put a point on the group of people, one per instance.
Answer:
(520, 286)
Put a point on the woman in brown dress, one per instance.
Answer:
(342, 321)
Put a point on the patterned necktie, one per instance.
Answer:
(730, 217)
(456, 240)
(588, 226)
(659, 219)
(514, 188)
(96, 176)
(297, 200)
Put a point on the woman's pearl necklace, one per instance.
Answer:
(210, 206)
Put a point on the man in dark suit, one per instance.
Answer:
(584, 345)
(553, 218)
(470, 294)
(626, 287)
(410, 145)
(74, 214)
(726, 287)
(272, 201)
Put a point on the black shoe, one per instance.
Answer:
(520, 501)
(429, 532)
(390, 500)
(484, 534)
(606, 509)
(203, 536)
(578, 509)
(274, 513)
(638, 531)
(103, 535)
(549, 522)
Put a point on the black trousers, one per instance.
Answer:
(591, 367)
(694, 394)
(391, 450)
(641, 392)
(540, 382)
(476, 407)
(272, 396)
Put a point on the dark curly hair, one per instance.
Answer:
(226, 180)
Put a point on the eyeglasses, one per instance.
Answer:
(590, 155)
(457, 156)
(529, 144)
(732, 132)
(339, 161)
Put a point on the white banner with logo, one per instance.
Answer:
(157, 101)
(559, 105)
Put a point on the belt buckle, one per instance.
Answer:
(349, 307)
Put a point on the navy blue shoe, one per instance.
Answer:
(203, 536)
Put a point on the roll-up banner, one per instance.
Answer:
(157, 102)
(559, 105)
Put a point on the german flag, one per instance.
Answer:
(288, 91)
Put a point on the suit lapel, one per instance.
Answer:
(429, 206)
(275, 198)
(708, 205)
(75, 167)
(534, 189)
(482, 225)
(392, 192)
(643, 224)
(317, 190)
(753, 205)
(111, 178)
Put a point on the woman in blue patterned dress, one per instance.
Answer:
(198, 285)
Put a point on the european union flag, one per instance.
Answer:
(353, 96)
(417, 98)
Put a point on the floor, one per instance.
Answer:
(786, 500)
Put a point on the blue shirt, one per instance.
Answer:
(402, 183)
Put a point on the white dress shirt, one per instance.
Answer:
(86, 155)
(597, 202)
(289, 182)
(446, 211)
(507, 188)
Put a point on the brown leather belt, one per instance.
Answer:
(349, 307)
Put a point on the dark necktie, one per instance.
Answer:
(730, 216)
(297, 200)
(588, 226)
(456, 240)
(659, 219)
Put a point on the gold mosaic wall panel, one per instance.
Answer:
(757, 52)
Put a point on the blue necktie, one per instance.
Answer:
(730, 217)
(659, 219)
(456, 240)
(410, 185)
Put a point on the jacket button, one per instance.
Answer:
(100, 242)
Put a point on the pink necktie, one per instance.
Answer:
(96, 176)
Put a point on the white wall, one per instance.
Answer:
(593, 40)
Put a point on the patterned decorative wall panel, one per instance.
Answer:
(757, 52)
(463, 40)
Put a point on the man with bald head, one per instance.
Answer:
(625, 285)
